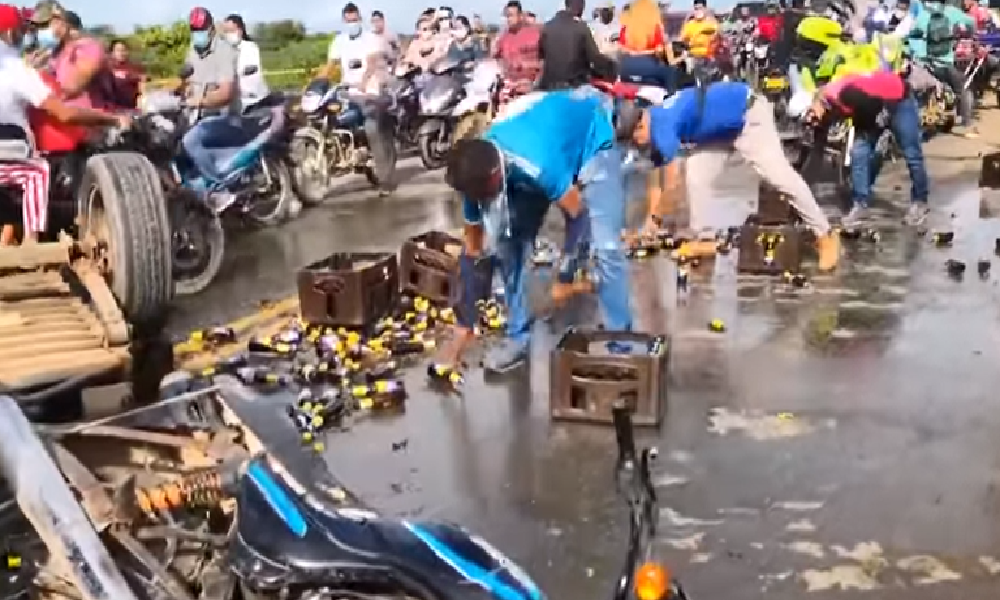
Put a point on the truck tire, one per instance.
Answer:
(120, 200)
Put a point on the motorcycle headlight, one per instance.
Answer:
(310, 102)
(652, 582)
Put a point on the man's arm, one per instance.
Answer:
(88, 57)
(29, 85)
(223, 95)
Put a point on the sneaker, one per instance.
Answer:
(917, 214)
(506, 356)
(856, 218)
(220, 201)
(828, 249)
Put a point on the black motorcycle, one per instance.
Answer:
(297, 539)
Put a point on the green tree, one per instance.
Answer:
(278, 34)
(161, 50)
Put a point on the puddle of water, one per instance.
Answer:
(757, 426)
(843, 577)
(798, 505)
(930, 570)
(805, 548)
(801, 526)
(691, 542)
(991, 564)
(865, 552)
(676, 519)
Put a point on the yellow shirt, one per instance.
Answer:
(699, 35)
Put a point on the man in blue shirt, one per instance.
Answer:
(721, 119)
(549, 148)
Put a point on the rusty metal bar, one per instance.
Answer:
(49, 505)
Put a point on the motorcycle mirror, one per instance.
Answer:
(250, 70)
(186, 72)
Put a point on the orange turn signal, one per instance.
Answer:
(652, 582)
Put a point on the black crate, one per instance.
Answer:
(586, 380)
(429, 265)
(349, 289)
(770, 250)
(773, 207)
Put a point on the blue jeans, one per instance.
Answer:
(603, 189)
(644, 68)
(866, 164)
(210, 140)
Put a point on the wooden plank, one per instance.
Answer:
(39, 370)
(41, 350)
(33, 256)
(18, 324)
(25, 338)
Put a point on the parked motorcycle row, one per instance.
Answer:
(302, 149)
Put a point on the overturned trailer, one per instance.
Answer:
(142, 504)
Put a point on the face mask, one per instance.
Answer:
(46, 39)
(698, 14)
(234, 39)
(200, 39)
(353, 29)
(29, 40)
(461, 33)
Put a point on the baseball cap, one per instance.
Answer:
(45, 10)
(199, 19)
(10, 17)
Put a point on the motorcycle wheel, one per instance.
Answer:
(197, 243)
(429, 154)
(270, 204)
(309, 170)
(385, 152)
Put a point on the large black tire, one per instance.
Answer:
(129, 207)
(310, 190)
(429, 156)
(186, 212)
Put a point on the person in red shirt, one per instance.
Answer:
(646, 54)
(517, 50)
(769, 25)
(128, 76)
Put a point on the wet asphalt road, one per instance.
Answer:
(836, 441)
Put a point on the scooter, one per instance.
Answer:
(457, 101)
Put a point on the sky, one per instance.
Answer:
(317, 15)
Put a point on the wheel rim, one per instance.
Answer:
(97, 230)
(190, 245)
(310, 171)
(266, 200)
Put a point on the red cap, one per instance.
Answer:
(10, 17)
(199, 19)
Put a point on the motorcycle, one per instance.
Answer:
(291, 540)
(252, 174)
(344, 133)
(405, 108)
(457, 101)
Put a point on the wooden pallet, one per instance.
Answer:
(48, 332)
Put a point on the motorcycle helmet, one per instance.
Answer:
(816, 35)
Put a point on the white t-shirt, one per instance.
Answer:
(20, 87)
(253, 88)
(353, 55)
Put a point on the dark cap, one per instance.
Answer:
(199, 19)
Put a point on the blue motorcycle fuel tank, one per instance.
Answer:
(288, 535)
